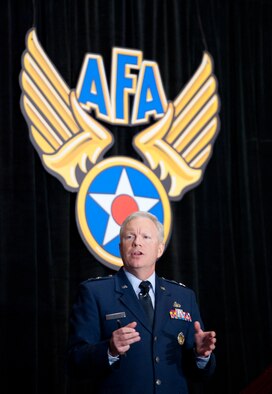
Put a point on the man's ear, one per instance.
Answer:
(161, 249)
(120, 249)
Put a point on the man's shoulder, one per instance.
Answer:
(97, 280)
(173, 282)
(176, 286)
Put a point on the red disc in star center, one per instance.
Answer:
(122, 206)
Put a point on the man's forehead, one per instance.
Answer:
(141, 223)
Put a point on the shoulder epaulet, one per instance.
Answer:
(174, 282)
(99, 278)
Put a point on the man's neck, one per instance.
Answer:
(140, 274)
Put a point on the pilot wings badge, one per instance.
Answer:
(71, 143)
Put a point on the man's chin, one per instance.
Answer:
(135, 262)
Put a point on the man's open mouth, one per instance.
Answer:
(137, 253)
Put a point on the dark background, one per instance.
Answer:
(221, 240)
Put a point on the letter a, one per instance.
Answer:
(150, 97)
(92, 88)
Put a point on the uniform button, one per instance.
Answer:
(155, 339)
(157, 359)
(158, 382)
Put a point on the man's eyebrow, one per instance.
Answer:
(128, 233)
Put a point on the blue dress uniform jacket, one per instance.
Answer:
(156, 364)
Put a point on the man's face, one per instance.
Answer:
(140, 246)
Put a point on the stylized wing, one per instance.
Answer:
(180, 143)
(66, 137)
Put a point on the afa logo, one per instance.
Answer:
(175, 147)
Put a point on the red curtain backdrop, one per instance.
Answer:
(221, 239)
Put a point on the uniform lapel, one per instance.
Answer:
(128, 297)
(162, 302)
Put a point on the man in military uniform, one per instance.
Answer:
(135, 332)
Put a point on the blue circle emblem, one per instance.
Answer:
(111, 191)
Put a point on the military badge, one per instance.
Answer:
(181, 338)
(176, 305)
(180, 314)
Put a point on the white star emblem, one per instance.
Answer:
(106, 202)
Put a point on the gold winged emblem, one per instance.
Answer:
(65, 136)
(179, 145)
(68, 139)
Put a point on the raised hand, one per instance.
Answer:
(122, 338)
(204, 340)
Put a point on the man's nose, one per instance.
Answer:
(137, 240)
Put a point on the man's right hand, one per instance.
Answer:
(122, 339)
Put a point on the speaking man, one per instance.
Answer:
(134, 332)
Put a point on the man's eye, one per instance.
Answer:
(147, 237)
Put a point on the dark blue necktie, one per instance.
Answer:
(145, 299)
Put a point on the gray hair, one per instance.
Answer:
(147, 215)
